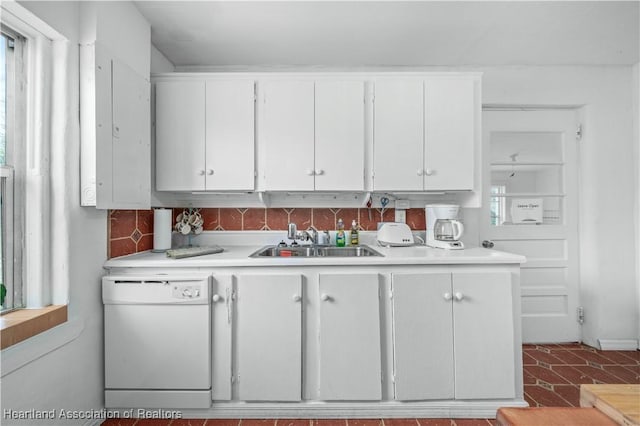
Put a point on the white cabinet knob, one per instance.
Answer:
(216, 297)
(448, 296)
(310, 172)
(210, 172)
(428, 172)
(319, 172)
(325, 297)
(420, 172)
(458, 296)
(201, 172)
(297, 298)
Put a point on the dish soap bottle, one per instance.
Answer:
(340, 237)
(354, 233)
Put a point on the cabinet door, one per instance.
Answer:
(339, 135)
(350, 365)
(398, 136)
(221, 349)
(450, 129)
(180, 137)
(287, 133)
(124, 170)
(269, 337)
(422, 336)
(483, 335)
(230, 135)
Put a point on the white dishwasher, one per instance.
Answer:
(157, 341)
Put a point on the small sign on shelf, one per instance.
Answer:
(526, 211)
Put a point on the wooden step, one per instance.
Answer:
(552, 416)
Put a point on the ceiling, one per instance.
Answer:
(355, 34)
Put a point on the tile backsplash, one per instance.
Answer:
(131, 231)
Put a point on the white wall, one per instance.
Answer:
(119, 27)
(71, 377)
(159, 62)
(609, 187)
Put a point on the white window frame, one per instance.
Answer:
(8, 240)
(48, 56)
(32, 177)
(12, 174)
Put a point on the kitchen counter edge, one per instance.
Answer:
(235, 256)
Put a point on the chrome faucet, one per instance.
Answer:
(309, 235)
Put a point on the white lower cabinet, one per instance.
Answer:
(350, 366)
(366, 336)
(269, 337)
(483, 335)
(453, 336)
(423, 336)
(221, 336)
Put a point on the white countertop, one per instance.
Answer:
(238, 255)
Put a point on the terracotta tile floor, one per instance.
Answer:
(552, 378)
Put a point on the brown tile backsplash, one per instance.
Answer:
(131, 231)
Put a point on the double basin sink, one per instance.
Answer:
(315, 251)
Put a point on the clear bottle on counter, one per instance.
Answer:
(340, 235)
(354, 236)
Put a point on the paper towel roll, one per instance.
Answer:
(161, 230)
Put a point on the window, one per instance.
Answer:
(498, 205)
(34, 119)
(11, 168)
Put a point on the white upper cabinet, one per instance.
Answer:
(313, 135)
(425, 134)
(115, 170)
(450, 128)
(124, 169)
(180, 135)
(398, 135)
(230, 135)
(205, 135)
(318, 132)
(287, 135)
(339, 135)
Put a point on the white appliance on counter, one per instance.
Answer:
(444, 230)
(157, 341)
(394, 234)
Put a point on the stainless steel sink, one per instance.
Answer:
(353, 251)
(315, 251)
(274, 251)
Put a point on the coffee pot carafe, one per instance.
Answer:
(444, 230)
(448, 230)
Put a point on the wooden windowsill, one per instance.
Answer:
(24, 323)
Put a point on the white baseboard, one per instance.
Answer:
(618, 344)
(329, 410)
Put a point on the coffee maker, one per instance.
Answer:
(444, 230)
